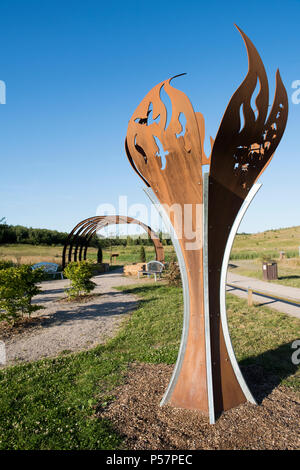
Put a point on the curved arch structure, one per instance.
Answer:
(77, 243)
(167, 153)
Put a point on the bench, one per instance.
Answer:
(49, 268)
(154, 268)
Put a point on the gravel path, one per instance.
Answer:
(75, 326)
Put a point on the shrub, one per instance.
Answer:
(6, 264)
(142, 255)
(17, 287)
(292, 254)
(172, 274)
(79, 273)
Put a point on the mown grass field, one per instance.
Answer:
(35, 254)
(247, 253)
(268, 243)
(52, 404)
(246, 246)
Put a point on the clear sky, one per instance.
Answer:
(76, 70)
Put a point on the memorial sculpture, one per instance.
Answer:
(169, 157)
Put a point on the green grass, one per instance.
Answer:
(37, 253)
(50, 404)
(130, 254)
(29, 250)
(249, 247)
(246, 246)
(263, 336)
(252, 254)
(268, 243)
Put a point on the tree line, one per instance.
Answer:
(31, 236)
(11, 234)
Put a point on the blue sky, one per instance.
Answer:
(75, 72)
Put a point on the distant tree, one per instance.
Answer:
(2, 229)
(21, 233)
(142, 255)
(33, 236)
(129, 241)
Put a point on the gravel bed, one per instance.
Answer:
(62, 327)
(136, 414)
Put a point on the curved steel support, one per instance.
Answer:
(209, 377)
(185, 286)
(186, 295)
(255, 188)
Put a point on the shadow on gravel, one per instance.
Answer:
(90, 312)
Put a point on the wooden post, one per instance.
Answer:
(250, 297)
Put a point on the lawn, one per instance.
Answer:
(51, 404)
(250, 247)
(22, 253)
(268, 243)
(130, 254)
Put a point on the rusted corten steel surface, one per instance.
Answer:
(169, 159)
(75, 248)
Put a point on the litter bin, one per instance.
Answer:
(270, 270)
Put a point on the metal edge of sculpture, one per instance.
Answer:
(170, 159)
(78, 240)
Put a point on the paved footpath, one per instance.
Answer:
(272, 290)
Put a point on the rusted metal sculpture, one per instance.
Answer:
(77, 243)
(169, 159)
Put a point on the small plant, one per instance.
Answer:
(6, 264)
(79, 273)
(172, 274)
(142, 255)
(17, 287)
